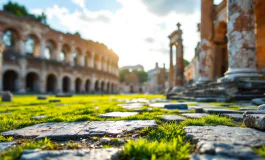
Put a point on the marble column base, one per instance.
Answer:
(234, 73)
(203, 80)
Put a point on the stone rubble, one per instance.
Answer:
(256, 121)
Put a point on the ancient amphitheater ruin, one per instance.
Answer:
(38, 59)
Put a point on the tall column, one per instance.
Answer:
(41, 49)
(171, 68)
(58, 51)
(22, 75)
(206, 54)
(241, 40)
(179, 65)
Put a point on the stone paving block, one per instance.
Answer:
(73, 130)
(33, 131)
(132, 106)
(176, 106)
(210, 157)
(172, 117)
(66, 130)
(255, 121)
(6, 145)
(42, 97)
(240, 136)
(100, 128)
(236, 117)
(54, 100)
(38, 117)
(226, 149)
(117, 114)
(195, 115)
(222, 111)
(258, 101)
(94, 154)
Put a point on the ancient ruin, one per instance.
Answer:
(38, 59)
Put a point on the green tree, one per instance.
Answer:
(22, 11)
(186, 62)
(142, 75)
(123, 73)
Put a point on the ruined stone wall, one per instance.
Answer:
(93, 69)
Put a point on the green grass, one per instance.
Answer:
(167, 141)
(260, 151)
(79, 108)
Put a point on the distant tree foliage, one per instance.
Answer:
(123, 73)
(186, 62)
(141, 74)
(21, 11)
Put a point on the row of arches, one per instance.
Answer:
(75, 56)
(33, 84)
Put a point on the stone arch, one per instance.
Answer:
(10, 81)
(32, 45)
(131, 89)
(66, 84)
(65, 52)
(50, 49)
(78, 85)
(221, 56)
(97, 88)
(10, 38)
(102, 86)
(32, 82)
(87, 85)
(51, 83)
(108, 87)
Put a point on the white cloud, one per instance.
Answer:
(80, 3)
(128, 29)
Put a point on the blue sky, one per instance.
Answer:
(136, 30)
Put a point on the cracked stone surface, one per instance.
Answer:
(100, 128)
(226, 149)
(117, 114)
(195, 115)
(255, 121)
(176, 106)
(236, 117)
(6, 145)
(222, 111)
(240, 136)
(94, 154)
(73, 130)
(167, 117)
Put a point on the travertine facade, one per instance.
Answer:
(41, 60)
(237, 41)
(157, 80)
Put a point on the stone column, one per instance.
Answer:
(92, 60)
(41, 49)
(179, 65)
(22, 75)
(171, 68)
(206, 54)
(241, 40)
(58, 51)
